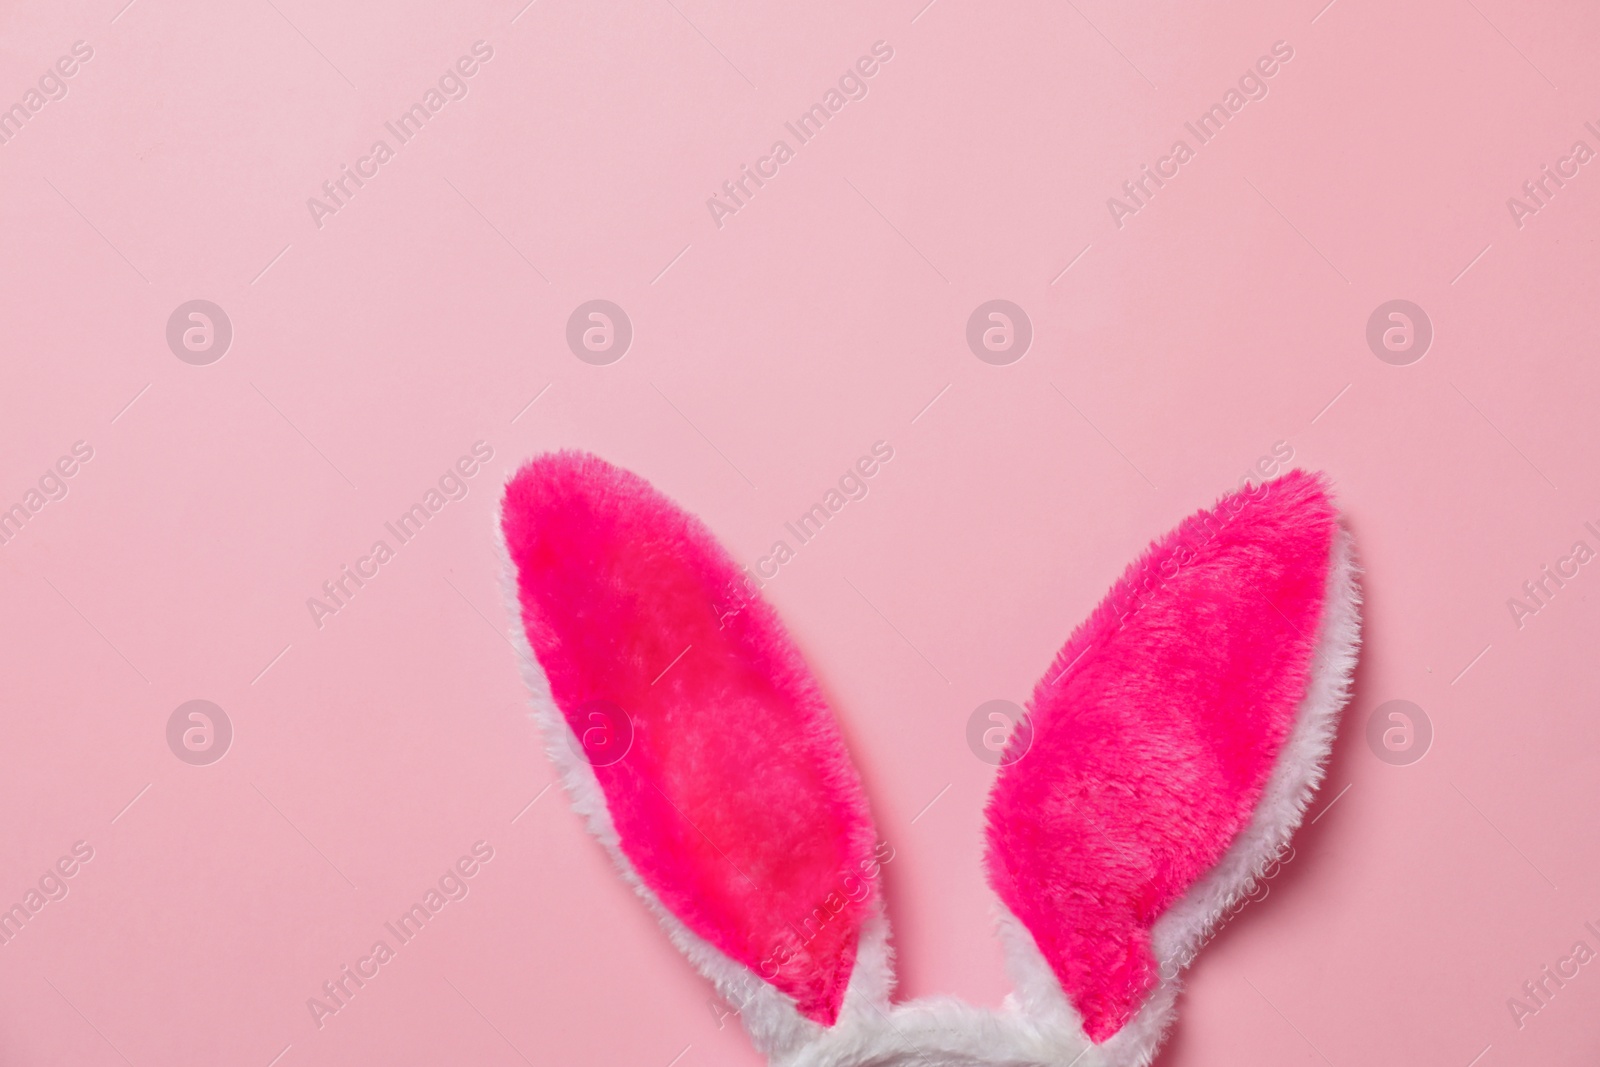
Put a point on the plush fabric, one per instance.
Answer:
(1177, 739)
(1154, 735)
(735, 804)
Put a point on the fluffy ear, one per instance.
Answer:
(694, 735)
(1174, 744)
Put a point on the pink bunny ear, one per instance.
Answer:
(1174, 744)
(724, 776)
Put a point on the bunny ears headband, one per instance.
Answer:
(1175, 742)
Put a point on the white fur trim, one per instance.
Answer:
(775, 1026)
(1179, 934)
(1037, 1026)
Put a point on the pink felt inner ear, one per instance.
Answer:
(1154, 734)
(735, 803)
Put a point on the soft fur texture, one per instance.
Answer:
(769, 1017)
(736, 804)
(1179, 933)
(622, 581)
(1155, 733)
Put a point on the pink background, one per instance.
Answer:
(768, 354)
